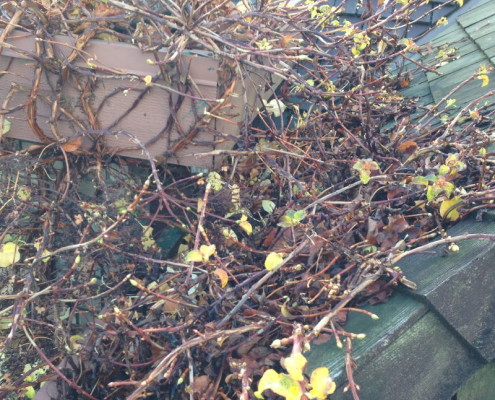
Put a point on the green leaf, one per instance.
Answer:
(420, 180)
(273, 260)
(268, 205)
(30, 392)
(6, 126)
(300, 215)
(292, 218)
(215, 181)
(229, 234)
(24, 193)
(443, 170)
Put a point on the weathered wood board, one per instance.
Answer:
(113, 73)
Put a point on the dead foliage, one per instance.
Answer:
(125, 279)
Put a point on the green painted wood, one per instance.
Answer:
(481, 386)
(490, 52)
(426, 362)
(453, 72)
(442, 86)
(396, 316)
(476, 14)
(460, 286)
(453, 34)
(427, 343)
(486, 41)
(482, 28)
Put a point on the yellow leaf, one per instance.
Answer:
(484, 80)
(442, 21)
(147, 240)
(295, 365)
(147, 80)
(285, 311)
(321, 383)
(207, 251)
(200, 205)
(273, 260)
(24, 193)
(223, 276)
(246, 226)
(9, 254)
(446, 205)
(75, 342)
(194, 255)
(381, 46)
(280, 384)
(109, 37)
(460, 2)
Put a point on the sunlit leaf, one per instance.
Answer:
(207, 251)
(148, 79)
(194, 255)
(246, 226)
(484, 80)
(321, 383)
(443, 170)
(9, 254)
(446, 205)
(460, 2)
(30, 392)
(273, 260)
(295, 365)
(281, 384)
(223, 276)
